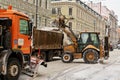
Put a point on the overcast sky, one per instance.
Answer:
(111, 4)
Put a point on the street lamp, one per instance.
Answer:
(36, 13)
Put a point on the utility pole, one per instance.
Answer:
(36, 13)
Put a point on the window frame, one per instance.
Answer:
(70, 11)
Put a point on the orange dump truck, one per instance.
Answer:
(15, 43)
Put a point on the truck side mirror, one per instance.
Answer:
(30, 27)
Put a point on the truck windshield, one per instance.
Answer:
(90, 38)
(5, 22)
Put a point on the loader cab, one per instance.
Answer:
(88, 38)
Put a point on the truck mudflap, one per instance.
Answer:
(34, 66)
(3, 57)
(37, 61)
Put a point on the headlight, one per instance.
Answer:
(20, 42)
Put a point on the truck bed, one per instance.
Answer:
(47, 39)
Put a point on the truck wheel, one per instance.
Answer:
(13, 69)
(67, 57)
(90, 56)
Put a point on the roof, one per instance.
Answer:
(90, 32)
(10, 11)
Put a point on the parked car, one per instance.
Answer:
(118, 46)
(111, 47)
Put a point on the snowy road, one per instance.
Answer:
(78, 70)
(110, 70)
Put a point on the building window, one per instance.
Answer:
(45, 22)
(53, 10)
(56, 10)
(59, 10)
(46, 4)
(70, 11)
(33, 1)
(32, 16)
(39, 21)
(40, 2)
(70, 24)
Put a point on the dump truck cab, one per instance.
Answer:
(20, 29)
(15, 46)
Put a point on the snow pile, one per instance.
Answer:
(48, 28)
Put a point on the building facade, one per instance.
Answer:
(110, 17)
(85, 18)
(29, 7)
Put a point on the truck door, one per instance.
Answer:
(24, 41)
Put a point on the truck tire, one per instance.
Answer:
(13, 69)
(67, 57)
(90, 56)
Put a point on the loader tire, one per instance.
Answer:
(67, 57)
(90, 56)
(13, 69)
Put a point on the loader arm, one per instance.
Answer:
(68, 31)
(70, 34)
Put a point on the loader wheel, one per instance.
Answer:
(67, 57)
(90, 56)
(13, 69)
